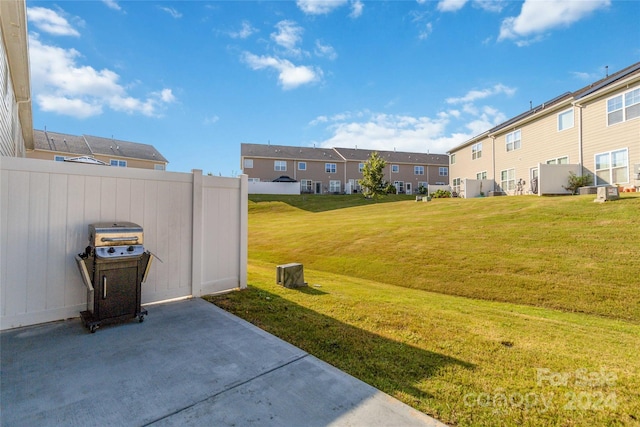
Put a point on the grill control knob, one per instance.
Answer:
(111, 250)
(130, 249)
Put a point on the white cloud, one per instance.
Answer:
(288, 36)
(319, 7)
(438, 134)
(426, 31)
(50, 21)
(451, 5)
(171, 11)
(246, 31)
(474, 95)
(357, 8)
(290, 76)
(112, 4)
(62, 86)
(325, 50)
(537, 17)
(211, 120)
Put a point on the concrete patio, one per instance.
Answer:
(188, 364)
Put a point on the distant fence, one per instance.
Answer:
(266, 187)
(196, 224)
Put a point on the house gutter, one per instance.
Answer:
(580, 141)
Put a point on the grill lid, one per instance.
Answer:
(115, 234)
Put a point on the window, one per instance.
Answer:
(399, 186)
(306, 186)
(248, 163)
(360, 167)
(418, 170)
(513, 141)
(565, 120)
(476, 151)
(59, 158)
(481, 175)
(334, 186)
(456, 185)
(158, 167)
(623, 107)
(253, 179)
(395, 168)
(330, 168)
(279, 165)
(423, 184)
(452, 159)
(302, 166)
(118, 163)
(612, 167)
(508, 179)
(559, 161)
(443, 171)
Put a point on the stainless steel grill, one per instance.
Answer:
(113, 267)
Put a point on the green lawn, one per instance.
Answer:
(493, 311)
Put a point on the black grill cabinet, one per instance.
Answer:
(113, 267)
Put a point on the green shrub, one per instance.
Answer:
(441, 194)
(576, 182)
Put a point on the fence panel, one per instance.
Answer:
(45, 210)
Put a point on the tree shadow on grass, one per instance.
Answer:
(323, 203)
(395, 367)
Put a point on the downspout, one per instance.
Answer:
(580, 143)
(493, 160)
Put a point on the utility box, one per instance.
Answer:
(290, 275)
(607, 193)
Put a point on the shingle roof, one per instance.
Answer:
(337, 154)
(287, 152)
(92, 145)
(358, 154)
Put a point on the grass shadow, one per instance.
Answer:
(323, 203)
(395, 367)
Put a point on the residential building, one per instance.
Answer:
(594, 130)
(93, 149)
(337, 170)
(16, 122)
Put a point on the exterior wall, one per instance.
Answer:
(465, 167)
(11, 139)
(131, 163)
(598, 137)
(540, 142)
(197, 226)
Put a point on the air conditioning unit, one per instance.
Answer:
(606, 193)
(290, 275)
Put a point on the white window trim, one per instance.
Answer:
(395, 168)
(452, 159)
(58, 158)
(331, 168)
(302, 168)
(360, 167)
(556, 160)
(519, 140)
(278, 164)
(248, 163)
(417, 168)
(623, 108)
(611, 167)
(111, 161)
(570, 110)
(476, 151)
(443, 168)
(483, 175)
(508, 180)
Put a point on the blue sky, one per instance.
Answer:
(198, 78)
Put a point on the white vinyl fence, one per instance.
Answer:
(197, 225)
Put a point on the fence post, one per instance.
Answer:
(196, 236)
(244, 226)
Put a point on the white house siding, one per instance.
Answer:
(598, 137)
(11, 140)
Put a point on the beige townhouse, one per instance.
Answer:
(594, 130)
(337, 170)
(93, 149)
